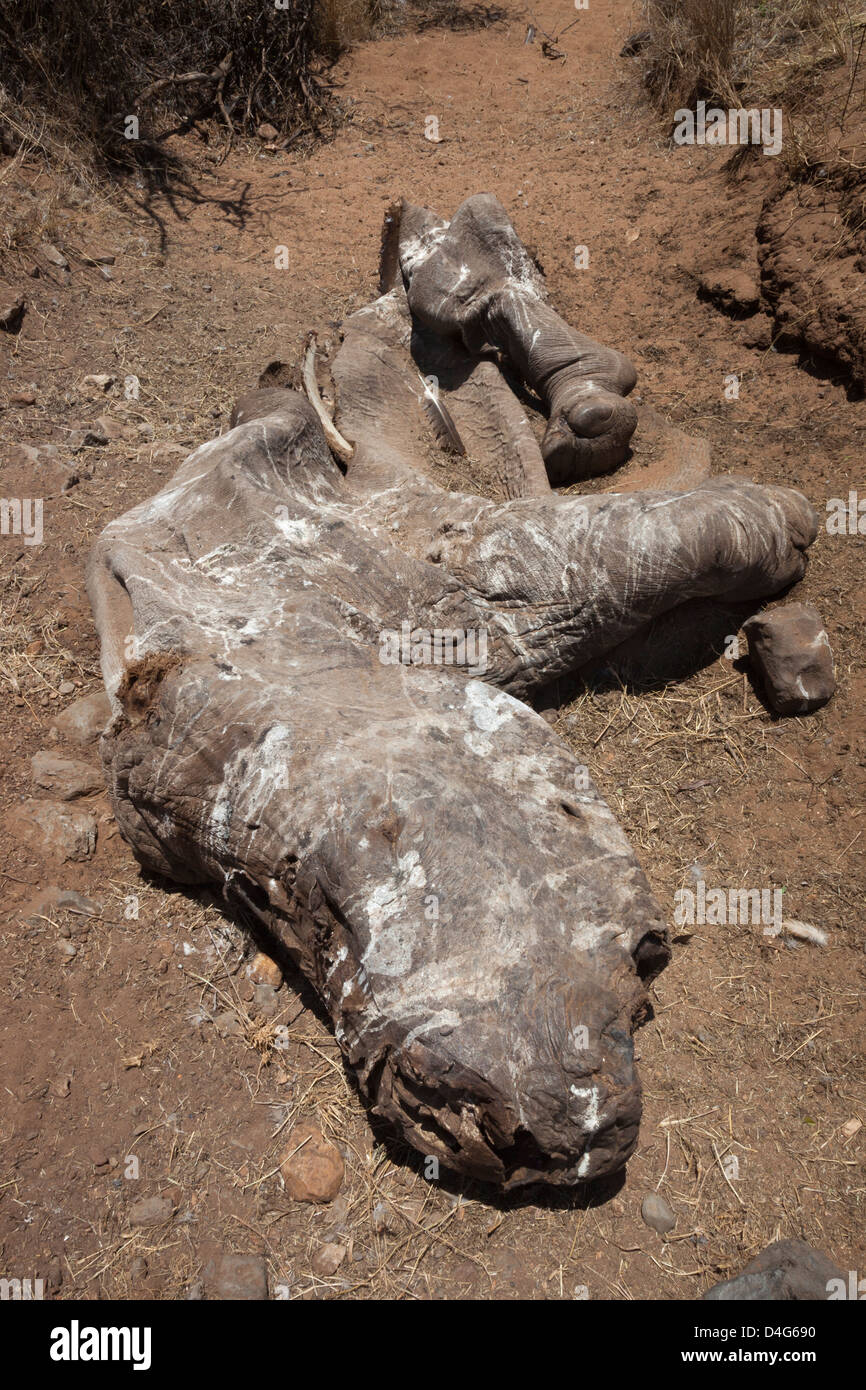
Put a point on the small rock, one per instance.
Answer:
(788, 1270)
(138, 1268)
(53, 256)
(151, 1211)
(790, 650)
(67, 778)
(731, 290)
(146, 431)
(66, 688)
(83, 721)
(11, 315)
(164, 453)
(264, 971)
(23, 398)
(111, 430)
(657, 1213)
(66, 833)
(267, 132)
(67, 949)
(312, 1168)
(101, 381)
(852, 1127)
(86, 437)
(236, 1278)
(327, 1259)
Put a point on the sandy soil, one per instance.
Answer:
(110, 1051)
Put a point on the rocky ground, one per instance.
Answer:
(177, 1121)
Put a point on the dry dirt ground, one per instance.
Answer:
(110, 1052)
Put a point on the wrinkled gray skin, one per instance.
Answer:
(473, 279)
(431, 855)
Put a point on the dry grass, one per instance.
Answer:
(719, 49)
(168, 66)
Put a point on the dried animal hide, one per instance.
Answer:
(431, 855)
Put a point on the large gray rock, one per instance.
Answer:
(787, 1270)
(84, 720)
(67, 778)
(790, 650)
(60, 831)
(431, 855)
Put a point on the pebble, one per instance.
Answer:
(53, 256)
(264, 971)
(151, 1211)
(658, 1213)
(314, 1172)
(327, 1259)
(236, 1278)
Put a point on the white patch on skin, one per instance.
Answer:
(298, 530)
(341, 955)
(219, 820)
(445, 1018)
(389, 898)
(488, 709)
(390, 952)
(590, 1096)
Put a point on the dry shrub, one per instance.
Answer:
(716, 49)
(341, 22)
(72, 73)
(692, 49)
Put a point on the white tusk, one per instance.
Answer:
(340, 446)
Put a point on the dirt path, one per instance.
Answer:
(110, 1050)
